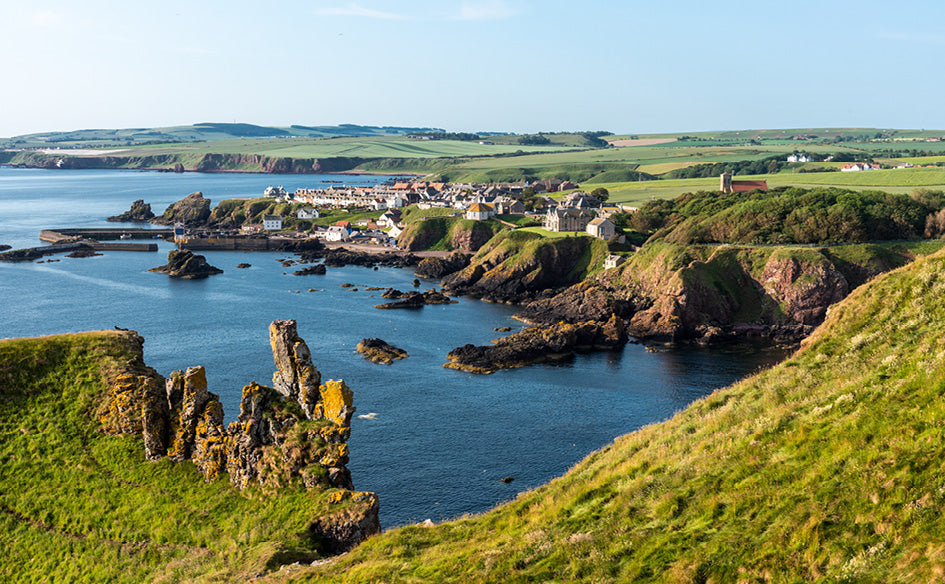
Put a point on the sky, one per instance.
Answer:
(473, 65)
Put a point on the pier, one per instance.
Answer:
(103, 234)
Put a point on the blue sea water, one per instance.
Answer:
(441, 439)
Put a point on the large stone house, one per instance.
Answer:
(272, 222)
(567, 219)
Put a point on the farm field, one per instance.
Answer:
(368, 147)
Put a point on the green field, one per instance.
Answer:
(372, 147)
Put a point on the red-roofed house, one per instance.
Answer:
(740, 186)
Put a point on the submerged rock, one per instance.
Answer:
(186, 265)
(380, 351)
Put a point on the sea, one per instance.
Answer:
(434, 443)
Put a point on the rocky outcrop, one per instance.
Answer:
(434, 267)
(139, 212)
(318, 270)
(340, 256)
(293, 435)
(380, 351)
(453, 233)
(192, 210)
(296, 377)
(516, 267)
(186, 265)
(414, 299)
(538, 344)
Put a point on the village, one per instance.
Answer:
(577, 211)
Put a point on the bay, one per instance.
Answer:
(440, 441)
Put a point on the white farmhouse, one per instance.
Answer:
(337, 233)
(307, 214)
(272, 222)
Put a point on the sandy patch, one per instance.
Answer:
(641, 142)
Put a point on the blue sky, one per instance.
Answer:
(474, 65)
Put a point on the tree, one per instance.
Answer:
(601, 194)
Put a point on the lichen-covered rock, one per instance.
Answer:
(295, 376)
(336, 400)
(210, 440)
(154, 420)
(139, 212)
(380, 351)
(186, 395)
(341, 531)
(186, 265)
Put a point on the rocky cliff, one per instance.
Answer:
(291, 435)
(517, 266)
(712, 293)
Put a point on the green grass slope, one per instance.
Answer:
(825, 468)
(77, 505)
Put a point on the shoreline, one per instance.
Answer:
(190, 170)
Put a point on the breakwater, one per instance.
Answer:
(103, 234)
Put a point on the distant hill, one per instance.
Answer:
(200, 132)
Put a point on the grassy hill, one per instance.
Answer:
(825, 468)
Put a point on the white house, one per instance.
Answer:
(389, 219)
(601, 228)
(613, 260)
(480, 211)
(799, 158)
(272, 222)
(307, 214)
(395, 231)
(272, 191)
(337, 233)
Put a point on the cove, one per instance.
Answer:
(441, 440)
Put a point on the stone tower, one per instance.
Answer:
(725, 181)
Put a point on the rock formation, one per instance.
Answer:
(380, 351)
(520, 266)
(414, 299)
(139, 212)
(537, 344)
(434, 267)
(192, 210)
(186, 265)
(292, 435)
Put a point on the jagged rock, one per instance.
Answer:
(380, 351)
(318, 270)
(538, 344)
(340, 532)
(186, 395)
(295, 376)
(338, 257)
(434, 267)
(243, 266)
(186, 265)
(193, 210)
(5, 247)
(414, 299)
(154, 420)
(210, 440)
(139, 212)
